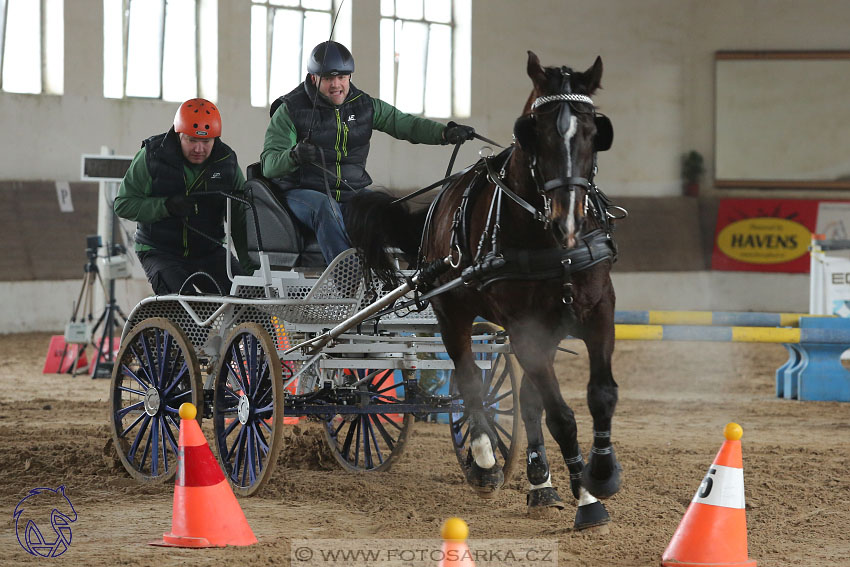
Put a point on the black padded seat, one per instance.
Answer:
(283, 240)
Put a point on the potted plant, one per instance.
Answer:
(693, 169)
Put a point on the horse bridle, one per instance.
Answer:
(565, 124)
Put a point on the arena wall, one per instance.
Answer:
(658, 89)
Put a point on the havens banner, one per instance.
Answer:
(764, 235)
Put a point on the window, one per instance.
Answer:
(164, 49)
(425, 56)
(283, 33)
(32, 46)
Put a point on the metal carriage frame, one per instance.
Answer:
(263, 354)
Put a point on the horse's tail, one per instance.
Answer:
(374, 223)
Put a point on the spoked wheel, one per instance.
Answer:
(248, 408)
(156, 371)
(501, 406)
(369, 441)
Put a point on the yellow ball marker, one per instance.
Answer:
(733, 432)
(455, 529)
(187, 411)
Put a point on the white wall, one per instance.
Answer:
(657, 85)
(658, 90)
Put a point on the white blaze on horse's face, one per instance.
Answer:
(571, 220)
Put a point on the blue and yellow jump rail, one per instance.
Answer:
(714, 318)
(814, 343)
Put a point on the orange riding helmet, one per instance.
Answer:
(199, 118)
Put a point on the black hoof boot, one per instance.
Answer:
(591, 515)
(542, 501)
(601, 475)
(485, 482)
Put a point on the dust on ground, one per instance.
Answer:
(675, 399)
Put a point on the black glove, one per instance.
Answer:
(181, 206)
(305, 152)
(457, 133)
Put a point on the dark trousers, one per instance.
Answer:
(167, 273)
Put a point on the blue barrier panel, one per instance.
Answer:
(821, 376)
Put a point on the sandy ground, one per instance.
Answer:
(675, 399)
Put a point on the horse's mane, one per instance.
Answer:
(374, 220)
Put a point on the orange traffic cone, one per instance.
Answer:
(713, 531)
(206, 513)
(455, 551)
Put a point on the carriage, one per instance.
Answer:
(236, 357)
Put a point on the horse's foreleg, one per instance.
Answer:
(482, 471)
(601, 476)
(560, 420)
(542, 495)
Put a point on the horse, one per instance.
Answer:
(526, 237)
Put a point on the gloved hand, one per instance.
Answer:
(181, 206)
(305, 152)
(457, 133)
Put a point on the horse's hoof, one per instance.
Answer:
(601, 487)
(543, 502)
(485, 482)
(591, 515)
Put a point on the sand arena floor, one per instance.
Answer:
(675, 399)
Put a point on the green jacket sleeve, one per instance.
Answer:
(238, 226)
(134, 201)
(401, 126)
(281, 137)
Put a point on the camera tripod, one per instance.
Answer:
(104, 358)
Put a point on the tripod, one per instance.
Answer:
(104, 355)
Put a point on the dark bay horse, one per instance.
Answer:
(528, 234)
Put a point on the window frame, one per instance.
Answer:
(51, 30)
(459, 25)
(206, 64)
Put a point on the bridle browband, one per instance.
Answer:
(566, 97)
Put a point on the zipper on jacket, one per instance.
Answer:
(338, 152)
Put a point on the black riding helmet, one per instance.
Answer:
(330, 58)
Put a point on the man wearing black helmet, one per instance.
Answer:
(318, 141)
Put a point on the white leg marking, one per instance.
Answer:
(482, 452)
(584, 497)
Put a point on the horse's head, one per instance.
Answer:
(559, 134)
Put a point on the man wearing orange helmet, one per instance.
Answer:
(180, 229)
(318, 139)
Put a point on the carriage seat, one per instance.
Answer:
(285, 243)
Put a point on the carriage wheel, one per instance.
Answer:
(248, 408)
(369, 441)
(155, 371)
(501, 404)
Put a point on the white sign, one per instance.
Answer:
(63, 193)
(833, 220)
(722, 486)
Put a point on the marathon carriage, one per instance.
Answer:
(237, 358)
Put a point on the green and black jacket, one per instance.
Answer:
(341, 132)
(159, 171)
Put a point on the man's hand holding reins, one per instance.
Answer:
(305, 152)
(457, 133)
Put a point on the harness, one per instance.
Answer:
(490, 262)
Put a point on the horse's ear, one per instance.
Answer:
(604, 133)
(534, 70)
(594, 75)
(524, 132)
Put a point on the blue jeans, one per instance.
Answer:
(315, 212)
